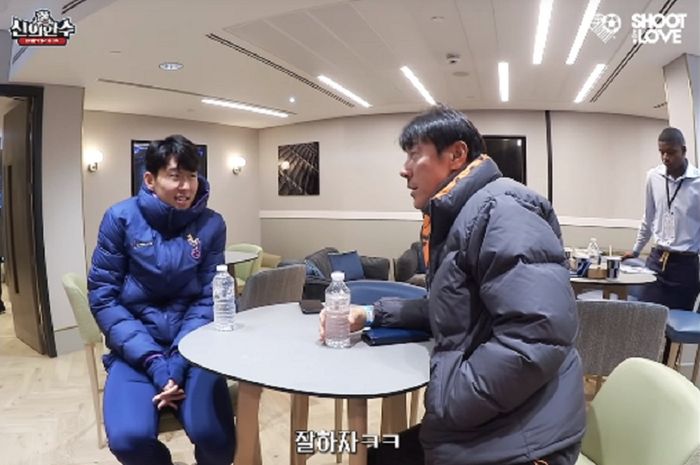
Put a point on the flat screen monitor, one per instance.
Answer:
(138, 162)
(509, 153)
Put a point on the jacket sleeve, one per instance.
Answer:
(401, 313)
(201, 311)
(525, 288)
(124, 333)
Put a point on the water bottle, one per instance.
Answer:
(593, 252)
(224, 293)
(337, 310)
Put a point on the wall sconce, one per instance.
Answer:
(237, 164)
(94, 158)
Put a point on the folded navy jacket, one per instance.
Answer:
(384, 336)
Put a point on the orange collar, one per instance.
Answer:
(426, 228)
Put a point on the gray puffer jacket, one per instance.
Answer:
(506, 385)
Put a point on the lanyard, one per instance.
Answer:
(670, 199)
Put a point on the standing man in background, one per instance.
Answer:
(672, 216)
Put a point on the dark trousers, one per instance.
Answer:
(410, 452)
(677, 284)
(131, 418)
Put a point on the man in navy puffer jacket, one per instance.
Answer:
(150, 285)
(506, 386)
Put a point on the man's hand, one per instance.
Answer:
(357, 318)
(171, 394)
(629, 255)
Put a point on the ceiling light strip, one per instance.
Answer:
(418, 85)
(279, 68)
(185, 92)
(348, 93)
(582, 30)
(542, 30)
(590, 82)
(503, 81)
(244, 106)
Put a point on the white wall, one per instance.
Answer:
(234, 196)
(600, 163)
(62, 196)
(360, 188)
(360, 160)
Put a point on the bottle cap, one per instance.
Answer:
(338, 276)
(221, 267)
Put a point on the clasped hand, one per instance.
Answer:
(171, 394)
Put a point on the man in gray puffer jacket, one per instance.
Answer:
(506, 385)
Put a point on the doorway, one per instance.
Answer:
(21, 224)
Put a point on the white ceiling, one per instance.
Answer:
(359, 43)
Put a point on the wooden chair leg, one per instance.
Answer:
(673, 355)
(696, 366)
(299, 421)
(338, 425)
(598, 384)
(415, 399)
(95, 390)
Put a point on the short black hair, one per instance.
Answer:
(179, 147)
(672, 136)
(442, 126)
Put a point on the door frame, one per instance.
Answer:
(35, 100)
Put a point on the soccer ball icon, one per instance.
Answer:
(612, 23)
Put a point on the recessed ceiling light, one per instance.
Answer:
(582, 30)
(590, 82)
(503, 80)
(292, 100)
(437, 19)
(417, 84)
(245, 107)
(331, 83)
(461, 73)
(115, 51)
(542, 30)
(170, 66)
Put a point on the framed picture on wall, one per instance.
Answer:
(138, 162)
(298, 169)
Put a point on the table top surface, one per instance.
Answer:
(278, 347)
(234, 256)
(625, 279)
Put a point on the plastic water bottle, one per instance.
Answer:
(337, 310)
(593, 252)
(224, 293)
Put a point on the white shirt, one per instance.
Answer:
(685, 209)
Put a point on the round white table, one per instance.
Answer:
(277, 347)
(619, 286)
(232, 257)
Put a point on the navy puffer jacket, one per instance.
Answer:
(506, 385)
(150, 280)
